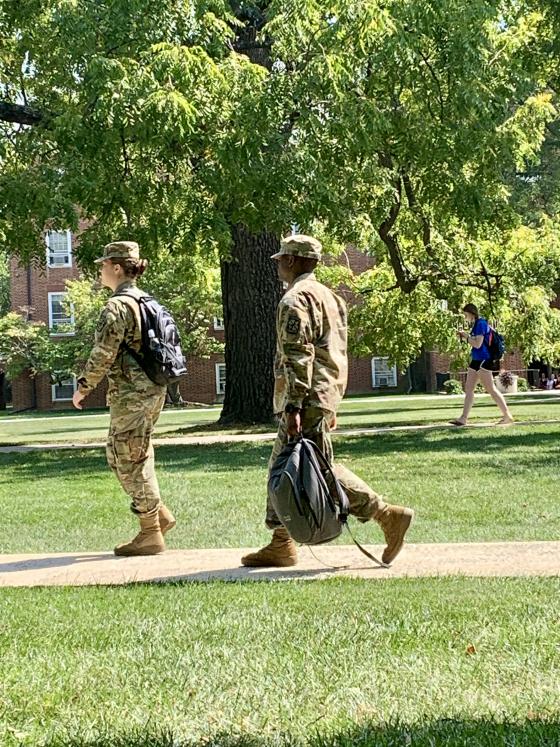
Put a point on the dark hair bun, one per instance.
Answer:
(133, 268)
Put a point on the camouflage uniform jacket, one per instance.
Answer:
(119, 323)
(311, 367)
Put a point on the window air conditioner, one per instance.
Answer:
(59, 259)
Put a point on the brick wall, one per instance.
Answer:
(360, 378)
(30, 287)
(358, 261)
(200, 384)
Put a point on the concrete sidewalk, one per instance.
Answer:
(249, 437)
(428, 560)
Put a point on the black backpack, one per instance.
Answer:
(496, 344)
(161, 357)
(306, 496)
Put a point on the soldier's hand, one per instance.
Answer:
(77, 400)
(293, 423)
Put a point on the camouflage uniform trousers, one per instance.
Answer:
(365, 504)
(130, 451)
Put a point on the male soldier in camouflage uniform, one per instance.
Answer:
(311, 372)
(135, 401)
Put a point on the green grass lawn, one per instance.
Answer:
(354, 413)
(466, 485)
(336, 662)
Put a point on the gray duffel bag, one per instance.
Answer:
(306, 495)
(308, 499)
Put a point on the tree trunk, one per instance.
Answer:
(2, 391)
(250, 294)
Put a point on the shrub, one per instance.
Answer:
(453, 386)
(522, 384)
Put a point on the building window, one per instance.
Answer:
(58, 315)
(218, 324)
(59, 248)
(220, 378)
(63, 390)
(382, 374)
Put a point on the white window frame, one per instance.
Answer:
(218, 324)
(392, 369)
(54, 398)
(53, 265)
(51, 324)
(219, 389)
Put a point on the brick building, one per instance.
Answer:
(37, 291)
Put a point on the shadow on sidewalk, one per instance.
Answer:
(54, 561)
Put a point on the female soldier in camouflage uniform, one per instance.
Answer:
(135, 401)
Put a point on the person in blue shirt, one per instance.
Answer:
(481, 366)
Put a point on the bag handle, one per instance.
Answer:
(344, 503)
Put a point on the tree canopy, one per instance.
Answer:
(418, 127)
(422, 132)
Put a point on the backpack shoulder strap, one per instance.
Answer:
(133, 304)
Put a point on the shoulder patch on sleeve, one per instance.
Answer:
(292, 325)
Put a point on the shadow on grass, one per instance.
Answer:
(471, 442)
(233, 457)
(215, 426)
(226, 457)
(393, 411)
(535, 732)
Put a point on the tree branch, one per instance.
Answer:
(413, 205)
(438, 84)
(404, 281)
(126, 161)
(24, 115)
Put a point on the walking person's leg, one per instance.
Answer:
(366, 504)
(472, 378)
(487, 380)
(282, 550)
(130, 454)
(166, 519)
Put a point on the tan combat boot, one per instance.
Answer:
(394, 521)
(280, 553)
(166, 519)
(149, 541)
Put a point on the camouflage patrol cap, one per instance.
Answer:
(300, 245)
(120, 250)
